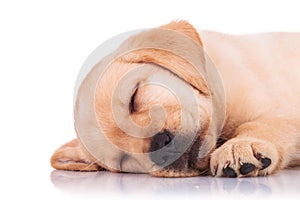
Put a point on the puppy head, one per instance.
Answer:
(151, 109)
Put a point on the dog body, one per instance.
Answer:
(262, 94)
(261, 129)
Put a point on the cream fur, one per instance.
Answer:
(260, 74)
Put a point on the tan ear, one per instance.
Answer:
(184, 27)
(72, 156)
(175, 46)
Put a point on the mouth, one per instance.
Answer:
(176, 161)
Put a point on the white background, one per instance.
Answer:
(43, 45)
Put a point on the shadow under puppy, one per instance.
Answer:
(248, 126)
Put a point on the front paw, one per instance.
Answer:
(240, 157)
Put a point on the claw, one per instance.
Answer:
(215, 170)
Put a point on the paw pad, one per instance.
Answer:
(266, 162)
(229, 172)
(246, 168)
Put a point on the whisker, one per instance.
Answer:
(204, 172)
(85, 169)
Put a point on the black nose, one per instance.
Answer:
(159, 141)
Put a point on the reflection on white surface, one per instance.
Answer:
(285, 183)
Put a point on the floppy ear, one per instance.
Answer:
(176, 47)
(185, 28)
(72, 156)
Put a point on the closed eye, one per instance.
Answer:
(132, 105)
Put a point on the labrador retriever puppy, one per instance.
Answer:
(177, 102)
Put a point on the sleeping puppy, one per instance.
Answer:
(175, 102)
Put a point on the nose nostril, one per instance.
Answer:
(166, 139)
(159, 141)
